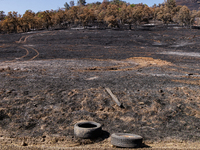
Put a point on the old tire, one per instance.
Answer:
(87, 130)
(126, 140)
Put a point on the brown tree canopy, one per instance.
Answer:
(108, 13)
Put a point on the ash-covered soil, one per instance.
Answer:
(50, 80)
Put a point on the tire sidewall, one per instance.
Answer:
(126, 140)
(87, 133)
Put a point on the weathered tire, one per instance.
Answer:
(87, 129)
(126, 140)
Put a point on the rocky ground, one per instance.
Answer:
(50, 80)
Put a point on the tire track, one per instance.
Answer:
(14, 60)
(35, 55)
(29, 55)
(24, 38)
(29, 49)
(20, 40)
(29, 52)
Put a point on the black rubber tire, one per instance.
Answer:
(87, 130)
(126, 140)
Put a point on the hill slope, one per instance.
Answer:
(191, 4)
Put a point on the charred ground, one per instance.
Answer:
(52, 79)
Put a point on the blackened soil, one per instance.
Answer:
(50, 80)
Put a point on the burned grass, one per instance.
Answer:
(41, 98)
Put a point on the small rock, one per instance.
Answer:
(160, 91)
(42, 140)
(94, 68)
(179, 105)
(15, 69)
(8, 91)
(54, 140)
(141, 103)
(190, 74)
(24, 144)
